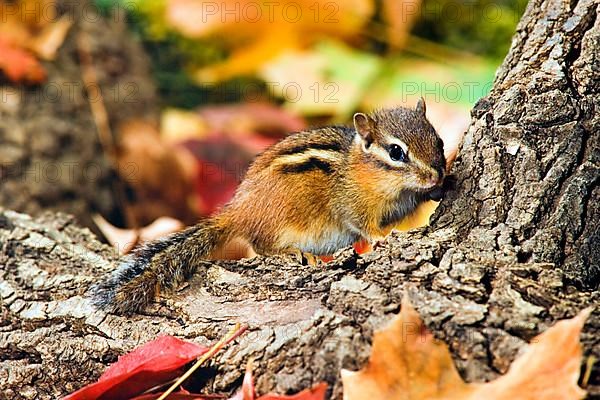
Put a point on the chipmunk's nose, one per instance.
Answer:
(436, 179)
(433, 182)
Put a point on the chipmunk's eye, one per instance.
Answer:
(396, 153)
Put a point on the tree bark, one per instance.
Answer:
(510, 252)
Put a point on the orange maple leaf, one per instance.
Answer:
(20, 65)
(408, 363)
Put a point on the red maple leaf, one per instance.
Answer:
(247, 391)
(150, 365)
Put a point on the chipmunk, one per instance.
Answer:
(314, 192)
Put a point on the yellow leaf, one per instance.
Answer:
(179, 125)
(419, 217)
(257, 31)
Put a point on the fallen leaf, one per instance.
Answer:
(247, 392)
(419, 217)
(152, 364)
(182, 395)
(124, 239)
(19, 65)
(233, 333)
(408, 363)
(317, 392)
(161, 175)
(548, 368)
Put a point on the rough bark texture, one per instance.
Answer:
(514, 249)
(50, 154)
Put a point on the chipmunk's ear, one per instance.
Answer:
(421, 108)
(365, 126)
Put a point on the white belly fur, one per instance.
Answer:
(327, 242)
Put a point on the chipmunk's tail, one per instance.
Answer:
(156, 266)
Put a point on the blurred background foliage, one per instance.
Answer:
(428, 44)
(482, 27)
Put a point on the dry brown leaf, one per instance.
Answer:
(161, 175)
(548, 369)
(408, 363)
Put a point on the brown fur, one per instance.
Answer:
(315, 191)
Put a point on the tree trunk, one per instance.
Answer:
(511, 251)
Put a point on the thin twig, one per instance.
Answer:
(100, 116)
(423, 47)
(234, 332)
(90, 79)
(589, 365)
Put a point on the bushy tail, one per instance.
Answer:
(155, 266)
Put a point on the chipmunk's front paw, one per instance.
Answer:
(302, 257)
(309, 259)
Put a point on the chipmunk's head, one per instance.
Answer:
(404, 147)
